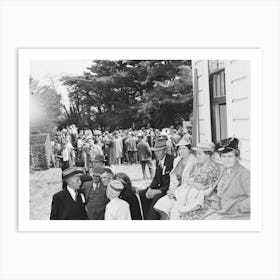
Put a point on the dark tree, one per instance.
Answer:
(119, 94)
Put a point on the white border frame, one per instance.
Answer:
(24, 58)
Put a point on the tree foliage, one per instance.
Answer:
(123, 93)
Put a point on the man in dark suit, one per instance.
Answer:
(95, 194)
(69, 204)
(160, 182)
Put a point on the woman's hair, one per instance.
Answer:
(124, 178)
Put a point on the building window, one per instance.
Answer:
(218, 100)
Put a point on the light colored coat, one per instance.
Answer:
(233, 196)
(117, 209)
(165, 203)
(173, 178)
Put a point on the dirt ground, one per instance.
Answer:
(44, 184)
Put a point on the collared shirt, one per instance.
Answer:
(72, 192)
(95, 186)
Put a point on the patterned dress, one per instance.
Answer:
(207, 175)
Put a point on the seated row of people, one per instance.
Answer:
(207, 188)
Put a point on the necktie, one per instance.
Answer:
(76, 195)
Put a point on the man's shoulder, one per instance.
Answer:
(60, 194)
(243, 170)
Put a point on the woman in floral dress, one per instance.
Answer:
(193, 200)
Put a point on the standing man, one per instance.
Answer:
(132, 148)
(160, 182)
(95, 193)
(145, 156)
(69, 204)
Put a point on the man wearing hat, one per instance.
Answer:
(95, 194)
(160, 182)
(99, 160)
(69, 204)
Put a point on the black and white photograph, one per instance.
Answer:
(134, 139)
(139, 140)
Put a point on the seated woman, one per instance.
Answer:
(193, 199)
(233, 190)
(116, 209)
(128, 194)
(177, 177)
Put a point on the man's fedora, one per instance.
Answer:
(97, 171)
(71, 171)
(160, 144)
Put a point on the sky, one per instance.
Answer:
(45, 70)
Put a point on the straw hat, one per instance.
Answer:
(204, 147)
(71, 171)
(160, 144)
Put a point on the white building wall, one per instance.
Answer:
(238, 105)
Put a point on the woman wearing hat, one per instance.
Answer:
(116, 209)
(177, 177)
(233, 190)
(192, 199)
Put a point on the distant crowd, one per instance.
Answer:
(114, 148)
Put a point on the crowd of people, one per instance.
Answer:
(118, 147)
(205, 181)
